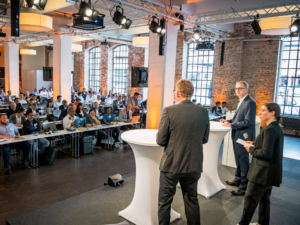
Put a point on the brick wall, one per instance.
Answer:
(136, 58)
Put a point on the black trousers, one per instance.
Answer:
(257, 194)
(167, 189)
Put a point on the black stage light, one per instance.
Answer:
(181, 27)
(197, 36)
(2, 34)
(154, 25)
(161, 30)
(85, 9)
(295, 28)
(205, 45)
(120, 19)
(104, 43)
(37, 4)
(255, 25)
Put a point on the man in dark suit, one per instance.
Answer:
(242, 123)
(63, 110)
(183, 129)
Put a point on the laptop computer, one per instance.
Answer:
(52, 126)
(135, 119)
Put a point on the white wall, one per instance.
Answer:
(32, 79)
(35, 62)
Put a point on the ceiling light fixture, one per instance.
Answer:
(255, 25)
(157, 27)
(197, 34)
(37, 4)
(119, 17)
(27, 51)
(295, 27)
(205, 45)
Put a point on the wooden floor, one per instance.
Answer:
(29, 190)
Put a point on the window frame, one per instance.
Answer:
(95, 61)
(116, 89)
(196, 80)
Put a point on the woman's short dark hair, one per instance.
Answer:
(272, 106)
(91, 111)
(28, 112)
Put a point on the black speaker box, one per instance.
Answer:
(115, 180)
(15, 15)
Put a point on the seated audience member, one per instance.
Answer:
(224, 109)
(77, 102)
(2, 93)
(35, 92)
(68, 121)
(63, 109)
(124, 100)
(95, 96)
(22, 100)
(8, 97)
(58, 102)
(72, 90)
(44, 93)
(18, 104)
(84, 94)
(50, 93)
(110, 100)
(100, 92)
(11, 110)
(31, 101)
(107, 119)
(34, 109)
(144, 104)
(31, 126)
(266, 166)
(79, 111)
(126, 116)
(73, 97)
(109, 94)
(49, 107)
(194, 101)
(135, 101)
(217, 109)
(91, 120)
(80, 96)
(98, 100)
(18, 118)
(97, 109)
(89, 99)
(9, 131)
(34, 97)
(26, 95)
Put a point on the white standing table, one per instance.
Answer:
(143, 209)
(209, 182)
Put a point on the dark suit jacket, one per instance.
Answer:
(64, 112)
(244, 120)
(183, 129)
(13, 119)
(9, 112)
(28, 127)
(215, 109)
(266, 165)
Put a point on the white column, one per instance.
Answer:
(161, 75)
(11, 61)
(62, 53)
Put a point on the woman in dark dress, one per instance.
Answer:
(266, 166)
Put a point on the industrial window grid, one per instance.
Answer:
(288, 78)
(95, 68)
(120, 69)
(200, 66)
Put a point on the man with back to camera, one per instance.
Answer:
(242, 123)
(183, 130)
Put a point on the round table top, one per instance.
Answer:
(217, 127)
(145, 137)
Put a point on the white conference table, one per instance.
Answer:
(143, 209)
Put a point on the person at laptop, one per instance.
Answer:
(91, 120)
(11, 110)
(9, 131)
(126, 116)
(69, 120)
(58, 102)
(135, 101)
(18, 118)
(2, 93)
(107, 119)
(31, 126)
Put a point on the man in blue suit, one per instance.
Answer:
(242, 123)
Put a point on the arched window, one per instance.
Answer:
(120, 69)
(95, 68)
(200, 67)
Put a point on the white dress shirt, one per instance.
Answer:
(241, 100)
(18, 120)
(109, 101)
(22, 101)
(224, 110)
(89, 100)
(50, 94)
(44, 94)
(57, 103)
(68, 120)
(94, 97)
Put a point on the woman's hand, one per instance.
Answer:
(88, 125)
(249, 142)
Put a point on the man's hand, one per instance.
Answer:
(73, 123)
(88, 125)
(223, 121)
(8, 137)
(18, 125)
(18, 134)
(249, 142)
(226, 124)
(247, 147)
(129, 120)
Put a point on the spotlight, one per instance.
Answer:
(197, 36)
(161, 28)
(37, 4)
(255, 25)
(120, 19)
(295, 27)
(205, 45)
(156, 28)
(85, 9)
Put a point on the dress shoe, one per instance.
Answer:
(25, 166)
(232, 183)
(238, 192)
(8, 171)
